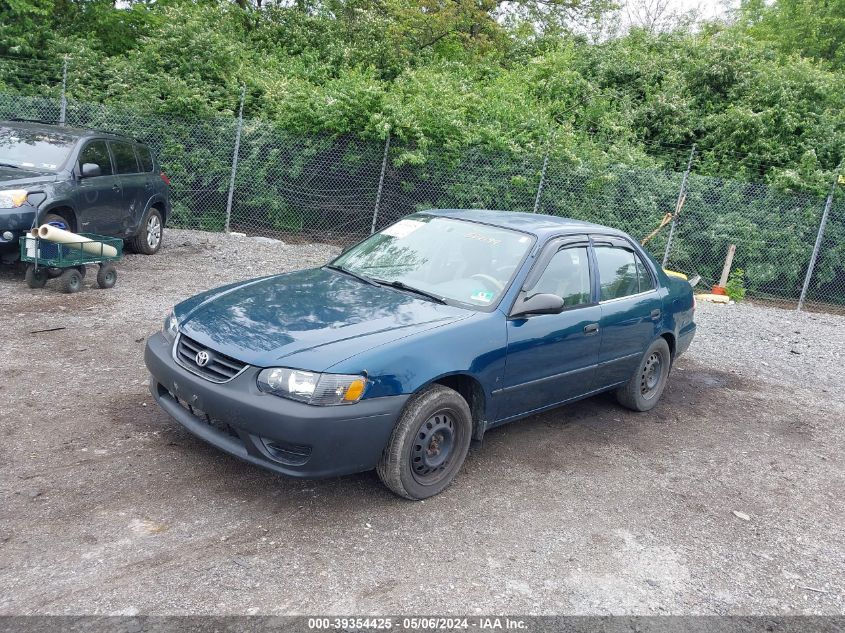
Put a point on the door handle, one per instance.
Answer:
(592, 328)
(655, 314)
(115, 187)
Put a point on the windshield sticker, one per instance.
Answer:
(483, 238)
(484, 296)
(403, 228)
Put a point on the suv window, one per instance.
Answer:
(617, 272)
(567, 276)
(145, 158)
(96, 152)
(124, 158)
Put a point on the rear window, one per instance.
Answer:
(124, 158)
(145, 158)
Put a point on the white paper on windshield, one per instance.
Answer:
(403, 228)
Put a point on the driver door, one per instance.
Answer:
(552, 358)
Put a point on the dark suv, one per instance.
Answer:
(94, 182)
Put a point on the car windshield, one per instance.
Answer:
(451, 259)
(34, 149)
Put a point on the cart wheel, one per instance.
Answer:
(71, 280)
(52, 273)
(106, 276)
(36, 277)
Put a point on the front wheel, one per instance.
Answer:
(149, 237)
(36, 277)
(71, 280)
(645, 387)
(428, 445)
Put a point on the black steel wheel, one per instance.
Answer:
(106, 276)
(434, 447)
(428, 445)
(643, 390)
(71, 280)
(35, 277)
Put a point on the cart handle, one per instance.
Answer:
(37, 205)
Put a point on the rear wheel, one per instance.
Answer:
(428, 445)
(71, 280)
(36, 277)
(149, 237)
(643, 390)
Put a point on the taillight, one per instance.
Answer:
(165, 178)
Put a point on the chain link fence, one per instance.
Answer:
(339, 189)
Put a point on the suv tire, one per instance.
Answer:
(150, 235)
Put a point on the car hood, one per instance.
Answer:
(310, 319)
(10, 176)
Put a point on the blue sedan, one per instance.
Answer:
(416, 341)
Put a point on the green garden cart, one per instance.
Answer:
(68, 261)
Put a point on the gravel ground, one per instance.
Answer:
(726, 499)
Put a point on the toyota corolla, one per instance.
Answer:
(411, 344)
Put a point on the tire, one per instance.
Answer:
(106, 276)
(643, 390)
(52, 273)
(35, 277)
(71, 280)
(150, 235)
(428, 445)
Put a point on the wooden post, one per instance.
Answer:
(726, 269)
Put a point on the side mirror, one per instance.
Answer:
(89, 170)
(538, 304)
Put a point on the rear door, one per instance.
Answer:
(134, 184)
(551, 358)
(99, 199)
(631, 309)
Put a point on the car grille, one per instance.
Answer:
(219, 367)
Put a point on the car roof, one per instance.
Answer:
(539, 224)
(70, 132)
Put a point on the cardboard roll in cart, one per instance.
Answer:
(50, 248)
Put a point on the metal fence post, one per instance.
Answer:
(380, 183)
(819, 237)
(63, 104)
(235, 161)
(542, 183)
(681, 195)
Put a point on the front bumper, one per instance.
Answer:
(17, 222)
(282, 435)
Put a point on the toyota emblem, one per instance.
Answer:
(202, 358)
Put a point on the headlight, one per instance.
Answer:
(12, 198)
(311, 387)
(171, 326)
